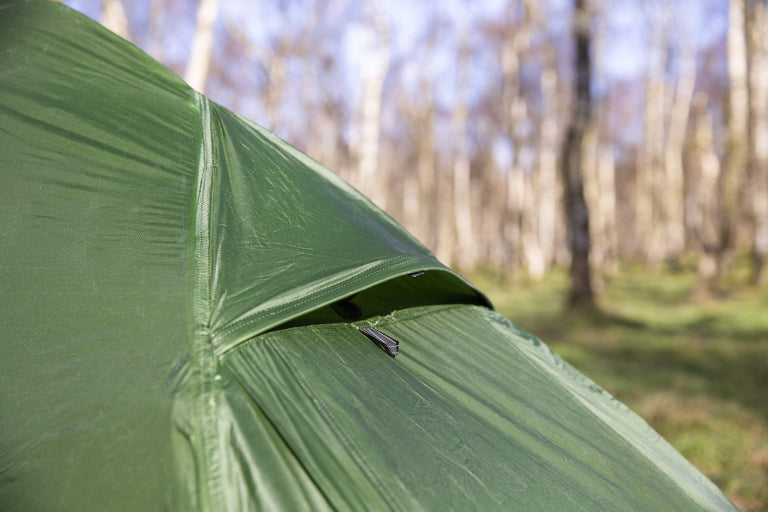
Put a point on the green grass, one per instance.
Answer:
(695, 368)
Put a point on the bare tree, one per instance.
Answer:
(736, 146)
(660, 213)
(576, 211)
(516, 42)
(757, 50)
(703, 212)
(598, 168)
(272, 58)
(672, 195)
(202, 45)
(323, 100)
(114, 18)
(650, 167)
(498, 158)
(547, 175)
(445, 211)
(374, 66)
(426, 164)
(600, 193)
(419, 183)
(466, 250)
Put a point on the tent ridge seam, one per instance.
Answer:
(203, 218)
(209, 486)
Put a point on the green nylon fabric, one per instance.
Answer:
(98, 165)
(132, 250)
(313, 241)
(473, 414)
(152, 242)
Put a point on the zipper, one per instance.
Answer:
(390, 345)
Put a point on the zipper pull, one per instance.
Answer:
(391, 346)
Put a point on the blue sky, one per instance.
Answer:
(703, 20)
(623, 24)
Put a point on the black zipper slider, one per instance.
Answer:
(390, 345)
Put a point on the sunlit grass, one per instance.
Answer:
(695, 367)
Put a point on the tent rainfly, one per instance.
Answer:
(198, 317)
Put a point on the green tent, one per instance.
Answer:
(196, 316)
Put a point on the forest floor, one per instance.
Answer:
(695, 368)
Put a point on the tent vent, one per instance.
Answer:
(346, 309)
(391, 346)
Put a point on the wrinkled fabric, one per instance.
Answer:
(180, 293)
(98, 158)
(314, 239)
(473, 414)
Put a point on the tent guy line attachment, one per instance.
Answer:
(390, 345)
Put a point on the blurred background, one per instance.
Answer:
(600, 167)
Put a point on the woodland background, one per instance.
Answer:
(563, 152)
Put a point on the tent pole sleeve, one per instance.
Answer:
(209, 471)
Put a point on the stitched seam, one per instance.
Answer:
(210, 472)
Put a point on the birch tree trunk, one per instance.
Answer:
(426, 169)
(513, 218)
(539, 193)
(466, 253)
(418, 183)
(673, 193)
(548, 186)
(410, 193)
(445, 248)
(704, 217)
(736, 145)
(114, 18)
(202, 45)
(276, 80)
(757, 48)
(606, 206)
(519, 225)
(598, 170)
(600, 193)
(318, 85)
(590, 148)
(577, 214)
(374, 67)
(272, 58)
(597, 166)
(533, 257)
(421, 207)
(650, 169)
(493, 199)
